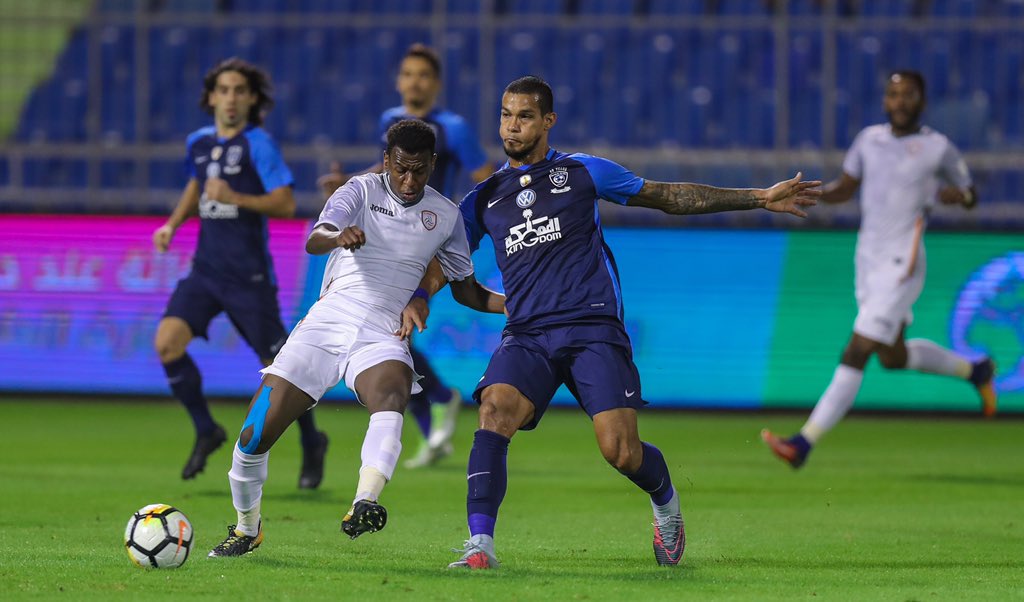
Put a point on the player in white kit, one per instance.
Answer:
(904, 167)
(381, 230)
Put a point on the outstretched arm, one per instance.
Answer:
(684, 198)
(840, 190)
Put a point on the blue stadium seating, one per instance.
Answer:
(678, 87)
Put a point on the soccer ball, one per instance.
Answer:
(158, 536)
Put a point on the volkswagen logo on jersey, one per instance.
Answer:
(526, 198)
(429, 219)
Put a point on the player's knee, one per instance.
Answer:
(893, 361)
(250, 440)
(167, 349)
(389, 401)
(622, 458)
(855, 357)
(504, 411)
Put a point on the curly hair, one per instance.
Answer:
(258, 80)
(412, 136)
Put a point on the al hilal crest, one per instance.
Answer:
(429, 219)
(559, 176)
(526, 198)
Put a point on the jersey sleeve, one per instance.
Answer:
(466, 145)
(344, 205)
(190, 163)
(953, 168)
(472, 220)
(454, 254)
(853, 163)
(382, 129)
(613, 182)
(269, 164)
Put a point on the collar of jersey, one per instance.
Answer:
(550, 155)
(223, 140)
(398, 199)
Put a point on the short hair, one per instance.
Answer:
(412, 136)
(534, 86)
(257, 79)
(426, 53)
(914, 76)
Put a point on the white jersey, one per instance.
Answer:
(900, 179)
(378, 279)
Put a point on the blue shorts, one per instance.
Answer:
(593, 360)
(253, 310)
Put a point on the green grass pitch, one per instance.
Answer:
(886, 509)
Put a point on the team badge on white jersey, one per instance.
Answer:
(429, 219)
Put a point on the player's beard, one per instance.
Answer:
(520, 154)
(910, 122)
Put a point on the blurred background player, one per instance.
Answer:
(458, 151)
(564, 306)
(904, 166)
(381, 231)
(237, 180)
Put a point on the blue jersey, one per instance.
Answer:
(456, 147)
(544, 223)
(233, 242)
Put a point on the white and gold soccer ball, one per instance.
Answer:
(158, 536)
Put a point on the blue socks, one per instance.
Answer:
(187, 385)
(487, 477)
(419, 407)
(653, 477)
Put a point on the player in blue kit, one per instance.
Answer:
(564, 307)
(458, 151)
(237, 180)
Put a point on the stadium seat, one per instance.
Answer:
(676, 7)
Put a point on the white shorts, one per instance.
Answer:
(886, 291)
(329, 345)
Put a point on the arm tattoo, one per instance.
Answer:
(681, 198)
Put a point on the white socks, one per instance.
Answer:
(381, 447)
(834, 403)
(247, 475)
(926, 356)
(663, 513)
